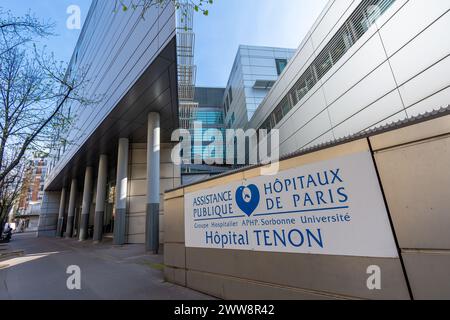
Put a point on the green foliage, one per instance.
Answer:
(200, 6)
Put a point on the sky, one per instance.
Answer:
(64, 41)
(275, 23)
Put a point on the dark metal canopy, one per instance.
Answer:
(155, 91)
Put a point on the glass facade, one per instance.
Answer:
(210, 113)
(210, 119)
(353, 29)
(253, 74)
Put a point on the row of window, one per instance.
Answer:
(210, 117)
(353, 29)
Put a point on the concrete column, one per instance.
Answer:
(48, 219)
(86, 204)
(62, 208)
(153, 182)
(71, 212)
(121, 193)
(101, 197)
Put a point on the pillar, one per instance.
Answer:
(86, 204)
(121, 193)
(48, 218)
(71, 211)
(62, 208)
(153, 183)
(100, 197)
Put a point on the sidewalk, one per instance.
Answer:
(107, 272)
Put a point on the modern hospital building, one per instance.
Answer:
(361, 66)
(364, 64)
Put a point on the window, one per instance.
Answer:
(230, 94)
(323, 64)
(285, 107)
(281, 64)
(303, 85)
(278, 114)
(358, 24)
(340, 43)
(210, 117)
(273, 122)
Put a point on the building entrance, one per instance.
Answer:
(108, 219)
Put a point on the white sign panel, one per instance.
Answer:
(333, 208)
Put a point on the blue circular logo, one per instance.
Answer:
(247, 198)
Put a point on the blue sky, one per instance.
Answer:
(275, 23)
(55, 10)
(278, 23)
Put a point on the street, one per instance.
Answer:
(107, 272)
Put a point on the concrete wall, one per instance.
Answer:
(414, 169)
(33, 224)
(49, 214)
(413, 165)
(137, 200)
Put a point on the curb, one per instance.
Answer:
(11, 254)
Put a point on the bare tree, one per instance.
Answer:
(34, 90)
(21, 30)
(10, 189)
